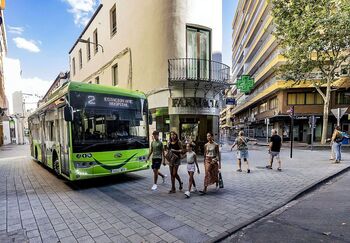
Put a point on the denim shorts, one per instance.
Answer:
(242, 154)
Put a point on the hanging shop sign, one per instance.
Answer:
(194, 105)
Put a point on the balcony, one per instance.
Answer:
(183, 71)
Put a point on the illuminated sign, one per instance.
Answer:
(84, 100)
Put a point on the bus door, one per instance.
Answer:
(63, 140)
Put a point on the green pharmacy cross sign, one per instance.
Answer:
(245, 84)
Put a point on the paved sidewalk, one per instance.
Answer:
(124, 209)
(321, 216)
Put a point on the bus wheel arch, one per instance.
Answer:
(55, 162)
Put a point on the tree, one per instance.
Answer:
(314, 36)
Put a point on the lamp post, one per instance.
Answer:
(90, 42)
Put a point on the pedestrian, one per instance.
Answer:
(212, 163)
(337, 139)
(157, 152)
(192, 164)
(242, 150)
(175, 147)
(274, 149)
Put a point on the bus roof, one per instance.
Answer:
(85, 87)
(103, 89)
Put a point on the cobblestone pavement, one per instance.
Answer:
(124, 209)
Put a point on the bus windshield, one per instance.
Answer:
(108, 123)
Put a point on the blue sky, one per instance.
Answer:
(40, 34)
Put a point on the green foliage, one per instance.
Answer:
(314, 36)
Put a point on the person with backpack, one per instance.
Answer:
(337, 139)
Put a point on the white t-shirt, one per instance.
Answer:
(190, 157)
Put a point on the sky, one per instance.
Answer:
(39, 40)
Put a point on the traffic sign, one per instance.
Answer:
(338, 113)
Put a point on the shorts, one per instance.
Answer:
(275, 154)
(175, 163)
(156, 163)
(242, 154)
(191, 167)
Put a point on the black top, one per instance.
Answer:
(175, 146)
(276, 143)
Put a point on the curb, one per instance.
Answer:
(300, 193)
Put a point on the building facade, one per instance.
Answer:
(169, 49)
(3, 50)
(255, 53)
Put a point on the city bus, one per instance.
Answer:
(89, 130)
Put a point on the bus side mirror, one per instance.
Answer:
(68, 113)
(150, 119)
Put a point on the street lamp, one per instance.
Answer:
(90, 42)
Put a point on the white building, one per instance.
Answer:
(169, 49)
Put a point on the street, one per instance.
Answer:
(36, 205)
(322, 216)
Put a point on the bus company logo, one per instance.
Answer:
(117, 155)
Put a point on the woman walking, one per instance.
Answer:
(175, 146)
(212, 163)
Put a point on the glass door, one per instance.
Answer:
(198, 54)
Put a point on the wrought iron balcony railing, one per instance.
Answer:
(199, 70)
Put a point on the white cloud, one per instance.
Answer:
(15, 29)
(14, 82)
(81, 10)
(28, 45)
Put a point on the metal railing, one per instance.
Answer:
(182, 69)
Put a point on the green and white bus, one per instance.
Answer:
(87, 130)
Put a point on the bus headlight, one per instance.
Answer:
(80, 165)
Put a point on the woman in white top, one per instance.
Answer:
(191, 168)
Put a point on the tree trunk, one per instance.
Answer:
(326, 113)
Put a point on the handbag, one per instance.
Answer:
(221, 181)
(171, 157)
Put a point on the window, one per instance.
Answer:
(115, 75)
(90, 82)
(255, 111)
(97, 80)
(263, 107)
(300, 99)
(198, 52)
(292, 99)
(310, 98)
(113, 20)
(95, 41)
(73, 66)
(88, 51)
(80, 59)
(343, 98)
(273, 103)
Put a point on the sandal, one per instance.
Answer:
(181, 185)
(202, 193)
(172, 191)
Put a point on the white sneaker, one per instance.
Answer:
(187, 194)
(154, 187)
(164, 178)
(194, 189)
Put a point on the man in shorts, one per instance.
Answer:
(242, 150)
(274, 149)
(157, 150)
